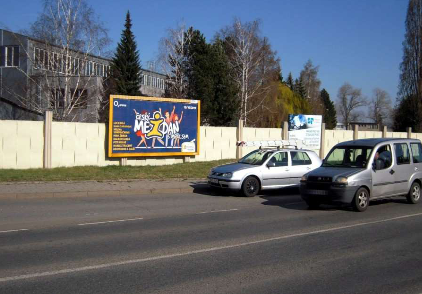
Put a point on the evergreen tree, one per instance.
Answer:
(407, 114)
(299, 88)
(125, 66)
(289, 81)
(330, 114)
(208, 74)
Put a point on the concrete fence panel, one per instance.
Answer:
(81, 144)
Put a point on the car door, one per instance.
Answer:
(276, 172)
(403, 169)
(383, 176)
(300, 164)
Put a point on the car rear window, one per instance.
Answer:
(416, 152)
(300, 158)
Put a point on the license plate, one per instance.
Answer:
(317, 192)
(215, 181)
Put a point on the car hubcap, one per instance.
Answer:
(416, 193)
(363, 199)
(251, 186)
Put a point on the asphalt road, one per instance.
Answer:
(199, 243)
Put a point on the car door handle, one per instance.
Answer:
(308, 168)
(392, 171)
(416, 168)
(287, 169)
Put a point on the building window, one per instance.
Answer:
(57, 98)
(9, 56)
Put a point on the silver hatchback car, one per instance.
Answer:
(266, 168)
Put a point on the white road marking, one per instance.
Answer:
(113, 221)
(9, 231)
(213, 211)
(154, 258)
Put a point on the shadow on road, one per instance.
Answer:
(301, 205)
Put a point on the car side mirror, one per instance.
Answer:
(374, 166)
(271, 164)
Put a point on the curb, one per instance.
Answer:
(105, 193)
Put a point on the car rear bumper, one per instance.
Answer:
(334, 194)
(224, 183)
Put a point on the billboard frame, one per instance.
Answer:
(155, 99)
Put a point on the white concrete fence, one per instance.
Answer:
(35, 144)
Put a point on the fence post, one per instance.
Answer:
(409, 132)
(384, 132)
(123, 161)
(48, 121)
(239, 135)
(285, 130)
(355, 132)
(322, 143)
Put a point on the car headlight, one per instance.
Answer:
(341, 180)
(227, 175)
(304, 178)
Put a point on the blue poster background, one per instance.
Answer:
(141, 127)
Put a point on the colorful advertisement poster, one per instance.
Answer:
(306, 128)
(149, 126)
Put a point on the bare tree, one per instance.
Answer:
(380, 107)
(173, 57)
(311, 83)
(253, 63)
(65, 76)
(349, 100)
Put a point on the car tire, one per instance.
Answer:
(312, 204)
(414, 194)
(361, 200)
(250, 187)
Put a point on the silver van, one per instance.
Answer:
(356, 172)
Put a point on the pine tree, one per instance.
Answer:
(289, 81)
(125, 66)
(330, 114)
(209, 79)
(299, 88)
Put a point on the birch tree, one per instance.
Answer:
(253, 63)
(173, 59)
(64, 73)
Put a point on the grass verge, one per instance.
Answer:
(110, 173)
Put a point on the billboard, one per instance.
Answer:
(306, 128)
(149, 126)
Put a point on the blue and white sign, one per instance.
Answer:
(306, 128)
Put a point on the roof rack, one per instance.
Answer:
(296, 144)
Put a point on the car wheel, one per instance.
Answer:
(312, 204)
(250, 187)
(361, 200)
(414, 193)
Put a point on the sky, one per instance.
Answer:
(359, 41)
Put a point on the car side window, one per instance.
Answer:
(416, 152)
(383, 158)
(402, 153)
(280, 159)
(300, 158)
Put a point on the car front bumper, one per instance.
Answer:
(336, 194)
(224, 183)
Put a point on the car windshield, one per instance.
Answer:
(256, 157)
(348, 156)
